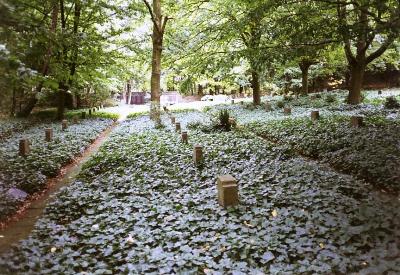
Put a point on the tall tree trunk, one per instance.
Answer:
(33, 99)
(357, 71)
(62, 92)
(159, 24)
(255, 81)
(200, 89)
(304, 67)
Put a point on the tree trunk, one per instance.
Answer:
(304, 67)
(159, 23)
(62, 91)
(357, 71)
(255, 81)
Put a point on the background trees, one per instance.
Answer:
(54, 49)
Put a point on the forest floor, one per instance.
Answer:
(314, 196)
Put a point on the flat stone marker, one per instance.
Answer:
(172, 119)
(48, 134)
(178, 126)
(83, 115)
(24, 148)
(184, 137)
(314, 115)
(197, 154)
(228, 191)
(64, 124)
(357, 121)
(287, 111)
(16, 194)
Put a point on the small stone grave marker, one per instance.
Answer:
(314, 115)
(184, 137)
(357, 121)
(287, 110)
(197, 154)
(178, 126)
(64, 124)
(48, 134)
(83, 115)
(75, 120)
(24, 148)
(90, 112)
(172, 119)
(268, 107)
(228, 192)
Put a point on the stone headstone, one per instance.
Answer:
(172, 119)
(90, 112)
(16, 194)
(64, 124)
(83, 115)
(178, 126)
(314, 115)
(357, 121)
(48, 134)
(75, 120)
(287, 110)
(24, 148)
(268, 107)
(197, 154)
(313, 97)
(228, 191)
(184, 137)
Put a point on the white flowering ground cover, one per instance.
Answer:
(30, 173)
(141, 206)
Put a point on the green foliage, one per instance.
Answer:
(224, 122)
(330, 98)
(391, 103)
(280, 104)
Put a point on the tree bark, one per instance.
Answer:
(159, 23)
(357, 71)
(255, 81)
(304, 67)
(62, 91)
(200, 90)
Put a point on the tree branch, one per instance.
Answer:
(153, 18)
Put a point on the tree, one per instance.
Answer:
(159, 25)
(367, 29)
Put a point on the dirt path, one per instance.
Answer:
(22, 225)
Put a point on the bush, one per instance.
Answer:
(280, 104)
(139, 114)
(224, 120)
(330, 98)
(391, 103)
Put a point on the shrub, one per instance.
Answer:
(224, 120)
(330, 98)
(280, 104)
(139, 114)
(391, 103)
